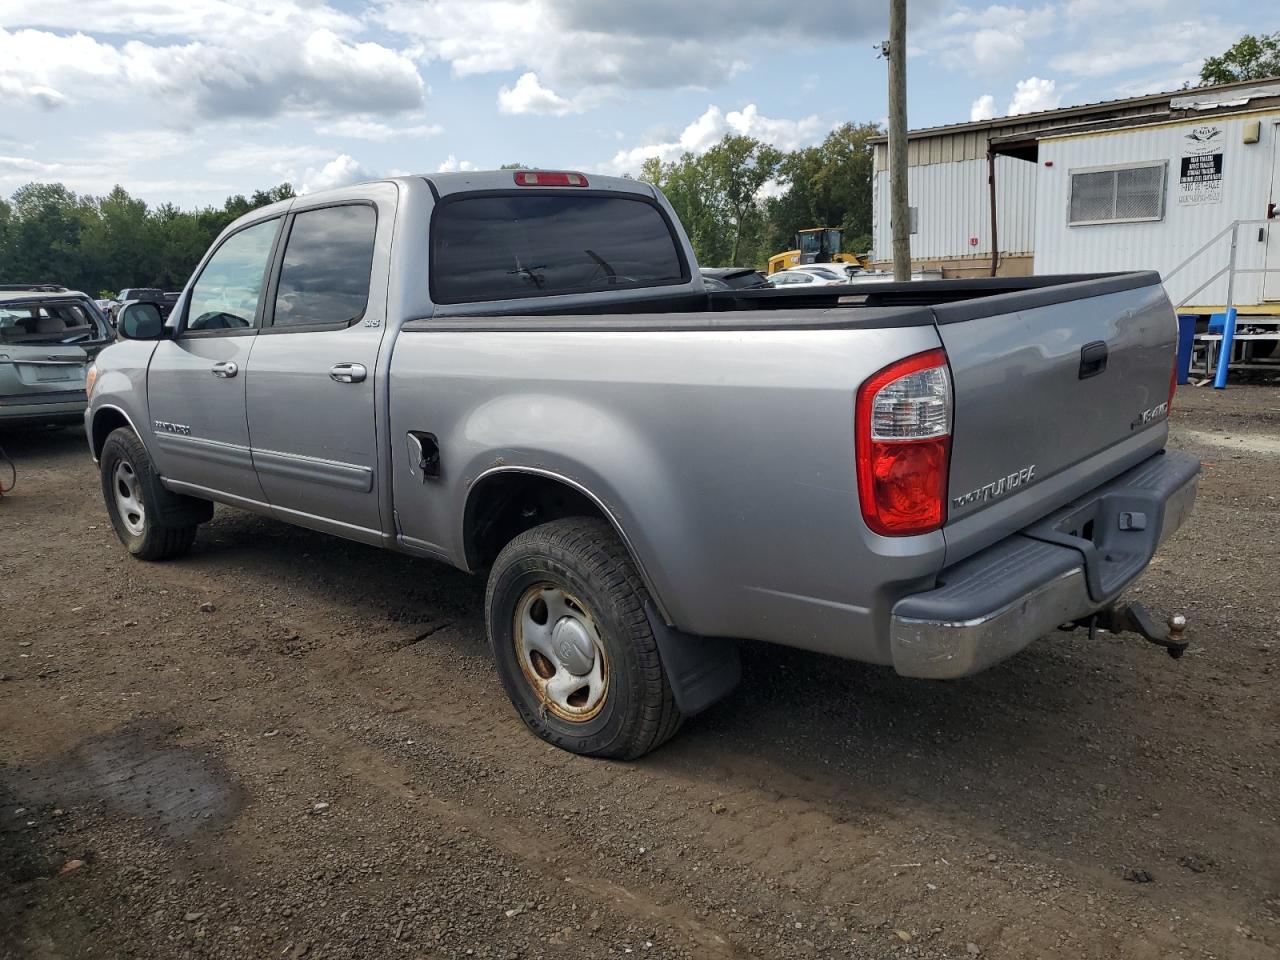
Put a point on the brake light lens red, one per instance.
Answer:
(542, 178)
(902, 432)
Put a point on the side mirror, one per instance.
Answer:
(139, 320)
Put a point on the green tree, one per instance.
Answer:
(44, 232)
(1249, 58)
(716, 196)
(736, 169)
(828, 185)
(50, 234)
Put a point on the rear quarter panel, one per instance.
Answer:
(726, 456)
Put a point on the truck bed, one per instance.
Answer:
(877, 304)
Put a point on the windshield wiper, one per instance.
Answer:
(538, 280)
(611, 273)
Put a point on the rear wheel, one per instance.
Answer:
(567, 620)
(152, 522)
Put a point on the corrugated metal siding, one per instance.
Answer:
(1160, 245)
(954, 204)
(970, 144)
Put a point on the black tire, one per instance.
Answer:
(583, 557)
(165, 527)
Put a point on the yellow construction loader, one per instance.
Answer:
(815, 245)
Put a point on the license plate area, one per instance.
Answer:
(50, 372)
(1116, 533)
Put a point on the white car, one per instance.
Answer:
(814, 274)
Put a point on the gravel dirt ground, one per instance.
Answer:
(286, 745)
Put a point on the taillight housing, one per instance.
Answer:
(902, 429)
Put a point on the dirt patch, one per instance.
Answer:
(136, 773)
(371, 794)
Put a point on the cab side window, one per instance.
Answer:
(225, 297)
(328, 259)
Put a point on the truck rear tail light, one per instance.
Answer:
(541, 178)
(902, 429)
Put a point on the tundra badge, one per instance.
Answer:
(998, 487)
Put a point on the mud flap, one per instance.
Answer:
(701, 670)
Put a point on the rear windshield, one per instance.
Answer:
(48, 323)
(537, 245)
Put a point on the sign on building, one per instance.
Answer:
(1200, 172)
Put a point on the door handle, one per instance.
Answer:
(225, 369)
(348, 372)
(1093, 359)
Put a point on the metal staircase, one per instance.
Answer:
(1225, 342)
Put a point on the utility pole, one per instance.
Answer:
(899, 213)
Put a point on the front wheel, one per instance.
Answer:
(574, 648)
(152, 523)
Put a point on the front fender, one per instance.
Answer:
(120, 388)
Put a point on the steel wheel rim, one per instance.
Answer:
(127, 490)
(558, 645)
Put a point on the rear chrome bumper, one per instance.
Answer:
(993, 604)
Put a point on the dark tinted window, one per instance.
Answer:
(505, 247)
(327, 263)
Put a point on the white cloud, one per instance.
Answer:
(364, 128)
(98, 175)
(712, 126)
(279, 159)
(39, 67)
(988, 40)
(1090, 10)
(577, 46)
(1033, 95)
(530, 96)
(293, 66)
(1181, 43)
(984, 108)
(343, 170)
(14, 89)
(189, 18)
(1174, 77)
(453, 165)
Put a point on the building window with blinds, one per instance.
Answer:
(1128, 193)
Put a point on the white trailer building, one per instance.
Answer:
(1161, 182)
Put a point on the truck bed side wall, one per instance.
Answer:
(727, 457)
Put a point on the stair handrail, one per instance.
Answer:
(1208, 243)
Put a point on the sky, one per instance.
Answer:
(191, 101)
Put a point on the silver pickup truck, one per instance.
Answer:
(523, 375)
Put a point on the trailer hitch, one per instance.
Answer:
(1133, 617)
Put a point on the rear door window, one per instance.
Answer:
(328, 260)
(507, 247)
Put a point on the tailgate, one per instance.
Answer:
(36, 370)
(1056, 391)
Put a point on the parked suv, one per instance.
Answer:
(48, 336)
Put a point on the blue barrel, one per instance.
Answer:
(1186, 341)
